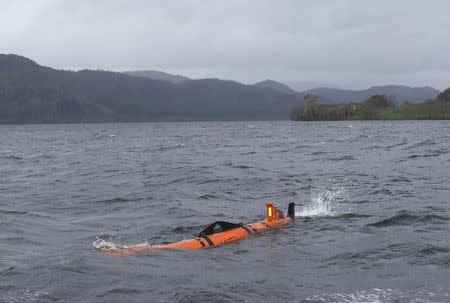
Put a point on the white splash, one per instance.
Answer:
(377, 295)
(101, 243)
(325, 203)
(24, 295)
(366, 296)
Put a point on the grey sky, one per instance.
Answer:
(352, 44)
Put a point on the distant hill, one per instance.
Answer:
(282, 88)
(30, 93)
(398, 93)
(157, 75)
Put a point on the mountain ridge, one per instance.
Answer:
(31, 93)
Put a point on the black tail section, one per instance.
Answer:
(291, 210)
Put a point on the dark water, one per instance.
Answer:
(377, 196)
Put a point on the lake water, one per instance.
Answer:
(375, 196)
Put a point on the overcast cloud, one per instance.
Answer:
(352, 44)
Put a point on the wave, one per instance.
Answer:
(210, 181)
(207, 197)
(167, 148)
(409, 252)
(353, 216)
(431, 255)
(383, 191)
(8, 271)
(114, 200)
(432, 250)
(420, 144)
(399, 179)
(343, 158)
(120, 290)
(428, 155)
(248, 153)
(406, 218)
(11, 157)
(403, 142)
(319, 152)
(12, 212)
(243, 166)
(419, 156)
(237, 166)
(371, 256)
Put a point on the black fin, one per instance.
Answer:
(291, 210)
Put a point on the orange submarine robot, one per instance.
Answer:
(216, 234)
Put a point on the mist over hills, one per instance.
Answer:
(278, 86)
(301, 86)
(31, 93)
(398, 93)
(157, 75)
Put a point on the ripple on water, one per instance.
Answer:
(348, 184)
(405, 218)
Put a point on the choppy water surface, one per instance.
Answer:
(375, 196)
